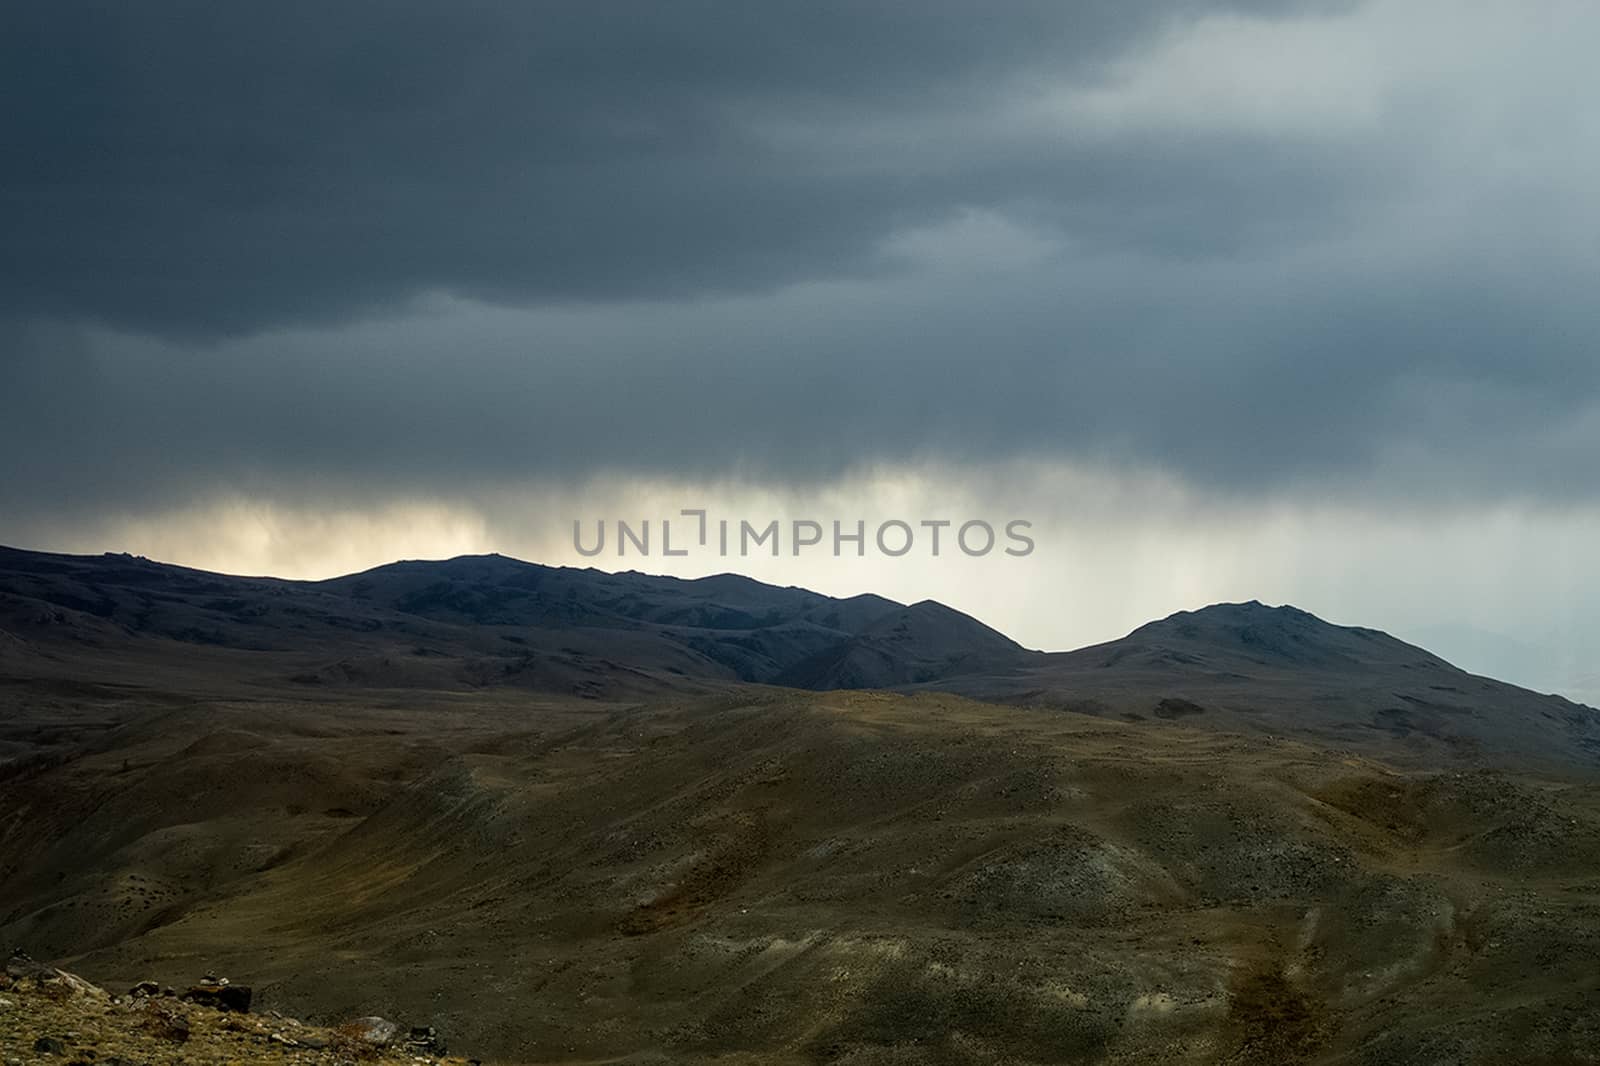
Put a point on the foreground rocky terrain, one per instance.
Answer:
(713, 871)
(51, 1016)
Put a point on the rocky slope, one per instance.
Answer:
(845, 878)
(50, 1016)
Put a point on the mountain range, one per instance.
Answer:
(477, 622)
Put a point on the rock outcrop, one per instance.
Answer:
(48, 1015)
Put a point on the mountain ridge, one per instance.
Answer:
(486, 621)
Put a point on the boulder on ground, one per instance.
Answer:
(371, 1030)
(220, 995)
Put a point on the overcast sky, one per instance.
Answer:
(1280, 300)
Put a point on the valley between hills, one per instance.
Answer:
(564, 816)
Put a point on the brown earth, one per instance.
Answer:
(796, 878)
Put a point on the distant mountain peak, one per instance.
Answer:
(1247, 609)
(1282, 635)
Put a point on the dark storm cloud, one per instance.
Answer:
(787, 240)
(201, 168)
(1050, 361)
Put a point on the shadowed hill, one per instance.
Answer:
(471, 621)
(1266, 636)
(496, 590)
(926, 642)
(1247, 667)
(480, 622)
